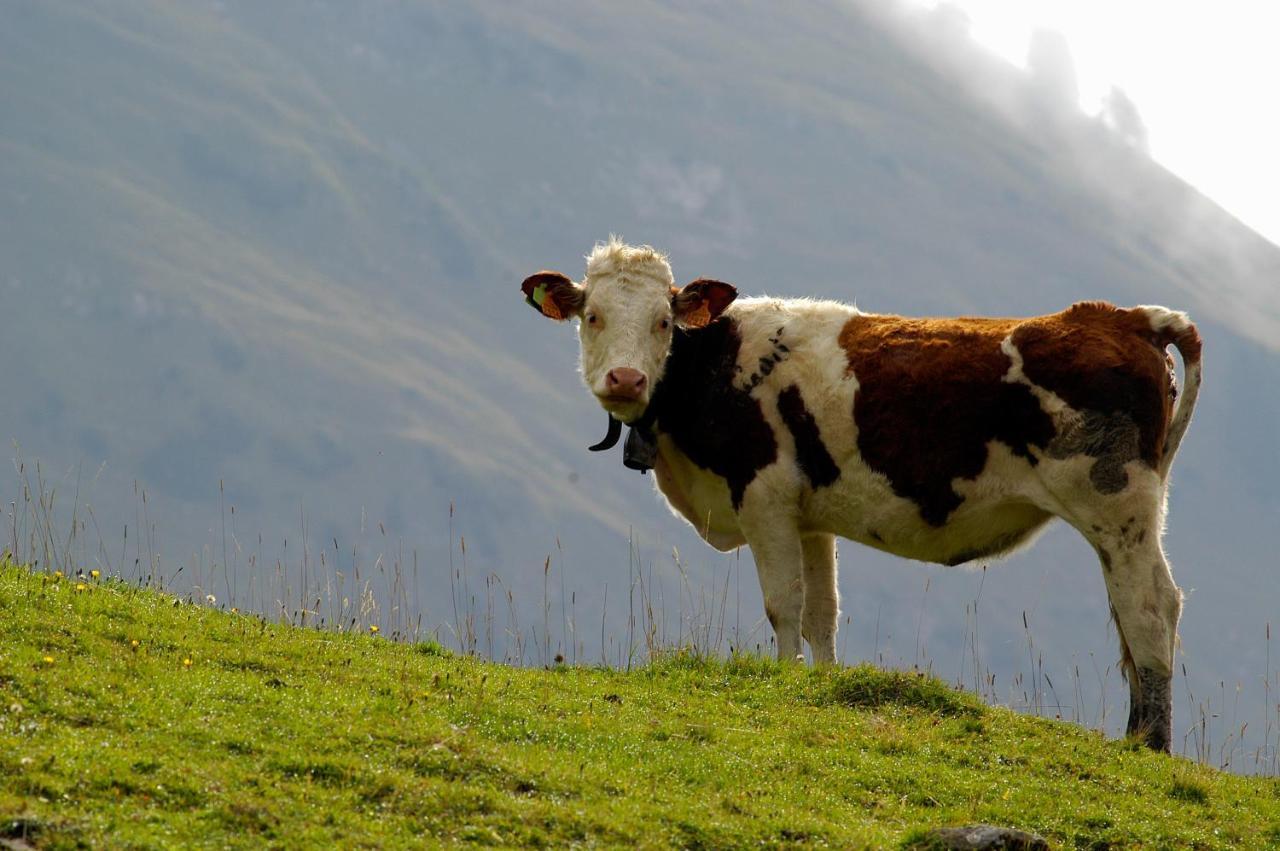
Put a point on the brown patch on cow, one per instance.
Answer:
(930, 397)
(1105, 557)
(718, 425)
(811, 453)
(1109, 365)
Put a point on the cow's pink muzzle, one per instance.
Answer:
(624, 384)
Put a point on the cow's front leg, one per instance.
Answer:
(774, 539)
(821, 597)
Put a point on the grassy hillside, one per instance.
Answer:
(131, 718)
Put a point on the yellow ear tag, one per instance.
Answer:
(699, 318)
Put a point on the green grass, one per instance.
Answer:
(282, 736)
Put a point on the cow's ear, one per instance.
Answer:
(553, 294)
(701, 302)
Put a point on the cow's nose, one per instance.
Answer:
(625, 382)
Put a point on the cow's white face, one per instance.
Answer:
(628, 312)
(625, 328)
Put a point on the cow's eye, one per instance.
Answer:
(664, 324)
(592, 319)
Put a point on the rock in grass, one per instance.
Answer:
(981, 837)
(15, 832)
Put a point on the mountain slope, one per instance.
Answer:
(264, 257)
(131, 717)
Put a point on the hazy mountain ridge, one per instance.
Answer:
(279, 245)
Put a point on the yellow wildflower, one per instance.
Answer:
(57, 574)
(373, 628)
(80, 586)
(95, 573)
(48, 660)
(186, 663)
(134, 644)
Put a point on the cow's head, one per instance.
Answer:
(628, 310)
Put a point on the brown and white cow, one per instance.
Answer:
(783, 423)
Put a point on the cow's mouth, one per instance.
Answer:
(625, 408)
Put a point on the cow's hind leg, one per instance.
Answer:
(1146, 605)
(1130, 673)
(821, 597)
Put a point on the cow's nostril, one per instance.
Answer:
(625, 382)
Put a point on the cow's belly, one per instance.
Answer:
(997, 516)
(999, 513)
(990, 532)
(700, 497)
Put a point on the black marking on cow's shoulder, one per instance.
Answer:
(811, 453)
(766, 363)
(718, 425)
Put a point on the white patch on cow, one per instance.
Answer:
(812, 360)
(1051, 403)
(1164, 319)
(821, 614)
(698, 496)
(1126, 530)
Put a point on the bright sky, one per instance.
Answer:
(1203, 76)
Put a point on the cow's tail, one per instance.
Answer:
(1172, 327)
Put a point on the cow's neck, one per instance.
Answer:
(717, 424)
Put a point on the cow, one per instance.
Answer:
(781, 424)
